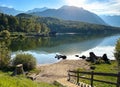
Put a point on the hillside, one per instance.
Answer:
(72, 13)
(65, 26)
(43, 25)
(24, 24)
(62, 26)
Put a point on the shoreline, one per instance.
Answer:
(51, 72)
(46, 64)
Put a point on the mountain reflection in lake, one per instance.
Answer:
(45, 48)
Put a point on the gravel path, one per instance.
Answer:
(50, 73)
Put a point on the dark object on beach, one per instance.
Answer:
(60, 56)
(98, 59)
(105, 58)
(76, 55)
(92, 58)
(83, 57)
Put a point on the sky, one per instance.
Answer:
(100, 7)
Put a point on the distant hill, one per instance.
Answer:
(65, 26)
(37, 10)
(72, 13)
(112, 20)
(9, 11)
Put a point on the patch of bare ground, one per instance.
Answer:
(51, 72)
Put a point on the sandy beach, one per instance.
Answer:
(51, 72)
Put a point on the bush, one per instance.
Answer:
(28, 61)
(4, 56)
(5, 34)
(117, 54)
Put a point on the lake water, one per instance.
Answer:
(44, 49)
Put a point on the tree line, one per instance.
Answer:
(62, 26)
(22, 24)
(44, 25)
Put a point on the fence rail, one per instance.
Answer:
(76, 74)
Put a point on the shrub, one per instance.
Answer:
(117, 53)
(28, 61)
(5, 34)
(4, 56)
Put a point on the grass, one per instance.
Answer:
(110, 68)
(106, 68)
(20, 81)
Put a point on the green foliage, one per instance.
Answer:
(43, 84)
(29, 24)
(32, 24)
(4, 55)
(28, 61)
(109, 68)
(117, 53)
(5, 34)
(106, 68)
(26, 24)
(62, 26)
(19, 81)
(8, 22)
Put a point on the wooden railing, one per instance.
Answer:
(76, 74)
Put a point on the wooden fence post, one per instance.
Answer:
(68, 75)
(78, 77)
(118, 80)
(92, 74)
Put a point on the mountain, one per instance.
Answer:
(112, 20)
(37, 10)
(9, 11)
(72, 13)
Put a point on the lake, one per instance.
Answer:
(44, 49)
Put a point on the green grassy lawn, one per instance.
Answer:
(19, 81)
(105, 68)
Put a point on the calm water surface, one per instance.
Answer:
(45, 48)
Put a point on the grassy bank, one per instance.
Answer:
(105, 68)
(19, 81)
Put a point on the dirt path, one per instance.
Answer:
(52, 72)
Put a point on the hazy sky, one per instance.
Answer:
(111, 7)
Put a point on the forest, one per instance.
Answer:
(27, 23)
(22, 24)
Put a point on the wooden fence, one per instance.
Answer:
(76, 74)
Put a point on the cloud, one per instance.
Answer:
(111, 7)
(100, 1)
(4, 5)
(101, 7)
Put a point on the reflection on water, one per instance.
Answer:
(45, 48)
(105, 46)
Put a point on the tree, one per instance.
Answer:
(13, 23)
(44, 29)
(38, 28)
(117, 54)
(5, 34)
(4, 55)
